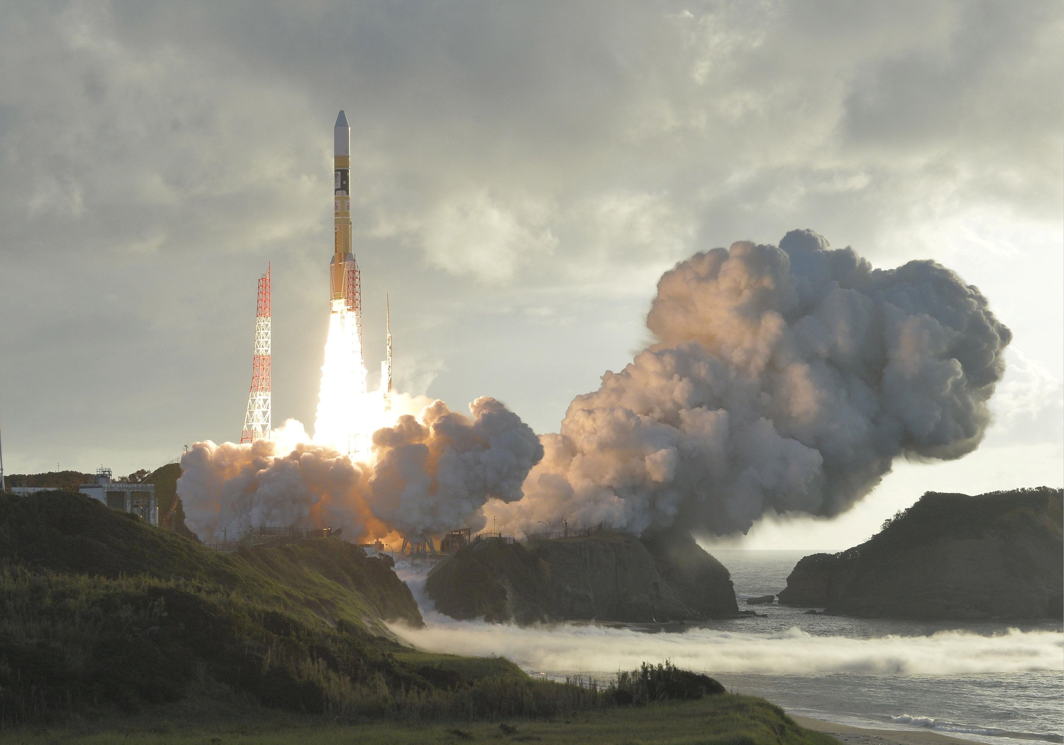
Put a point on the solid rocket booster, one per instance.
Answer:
(342, 269)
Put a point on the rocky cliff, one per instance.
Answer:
(603, 577)
(949, 556)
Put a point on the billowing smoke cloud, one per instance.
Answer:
(429, 473)
(435, 474)
(782, 379)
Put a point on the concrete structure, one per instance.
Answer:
(418, 545)
(137, 499)
(455, 540)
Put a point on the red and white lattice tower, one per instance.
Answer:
(257, 418)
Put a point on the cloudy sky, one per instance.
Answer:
(523, 173)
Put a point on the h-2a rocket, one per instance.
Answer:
(344, 280)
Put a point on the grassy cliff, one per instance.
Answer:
(112, 630)
(99, 611)
(949, 556)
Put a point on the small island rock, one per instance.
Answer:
(949, 556)
(604, 577)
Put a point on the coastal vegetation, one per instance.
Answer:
(949, 556)
(112, 630)
(712, 720)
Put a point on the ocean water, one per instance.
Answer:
(988, 686)
(992, 682)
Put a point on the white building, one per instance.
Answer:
(138, 499)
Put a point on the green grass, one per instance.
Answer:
(100, 612)
(723, 720)
(112, 631)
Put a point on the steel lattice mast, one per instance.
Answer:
(353, 292)
(386, 363)
(257, 418)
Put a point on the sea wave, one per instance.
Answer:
(942, 725)
(596, 649)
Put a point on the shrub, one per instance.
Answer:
(663, 682)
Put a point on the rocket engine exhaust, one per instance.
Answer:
(381, 464)
(347, 415)
(779, 379)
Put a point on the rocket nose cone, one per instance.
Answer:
(341, 121)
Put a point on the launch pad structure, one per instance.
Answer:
(257, 423)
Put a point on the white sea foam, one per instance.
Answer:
(595, 649)
(942, 725)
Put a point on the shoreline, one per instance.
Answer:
(867, 736)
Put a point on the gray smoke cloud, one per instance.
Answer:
(431, 473)
(783, 379)
(434, 474)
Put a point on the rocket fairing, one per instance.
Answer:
(344, 280)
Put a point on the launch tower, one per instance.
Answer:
(257, 418)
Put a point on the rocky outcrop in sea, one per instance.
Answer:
(606, 577)
(950, 556)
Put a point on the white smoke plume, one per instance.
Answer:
(429, 473)
(435, 474)
(781, 379)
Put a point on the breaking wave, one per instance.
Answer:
(941, 725)
(591, 649)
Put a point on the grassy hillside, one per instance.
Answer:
(714, 720)
(66, 480)
(112, 630)
(100, 611)
(171, 511)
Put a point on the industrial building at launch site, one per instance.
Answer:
(125, 496)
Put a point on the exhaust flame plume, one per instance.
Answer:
(425, 474)
(781, 380)
(348, 413)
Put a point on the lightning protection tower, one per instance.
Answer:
(386, 363)
(257, 418)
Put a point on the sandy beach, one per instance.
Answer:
(861, 736)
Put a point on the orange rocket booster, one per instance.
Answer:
(345, 283)
(338, 267)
